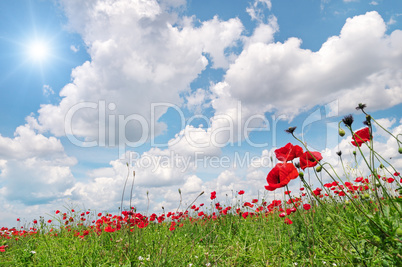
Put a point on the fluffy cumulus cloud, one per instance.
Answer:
(35, 172)
(140, 54)
(361, 64)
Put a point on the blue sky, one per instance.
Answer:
(87, 88)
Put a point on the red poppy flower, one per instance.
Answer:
(288, 221)
(391, 180)
(306, 206)
(281, 175)
(109, 229)
(288, 152)
(241, 192)
(213, 195)
(359, 179)
(361, 136)
(309, 159)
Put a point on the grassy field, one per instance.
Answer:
(348, 221)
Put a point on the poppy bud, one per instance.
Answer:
(354, 153)
(341, 132)
(400, 150)
(366, 195)
(329, 219)
(319, 168)
(381, 166)
(301, 175)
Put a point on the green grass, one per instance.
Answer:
(332, 233)
(352, 221)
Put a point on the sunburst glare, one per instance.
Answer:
(38, 50)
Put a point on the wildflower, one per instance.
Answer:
(309, 159)
(390, 180)
(317, 192)
(57, 211)
(306, 206)
(290, 130)
(109, 229)
(359, 179)
(361, 107)
(35, 221)
(213, 195)
(288, 152)
(288, 221)
(281, 175)
(367, 123)
(241, 192)
(361, 137)
(49, 221)
(140, 258)
(172, 226)
(348, 120)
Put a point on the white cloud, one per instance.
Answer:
(34, 168)
(256, 10)
(286, 79)
(47, 90)
(373, 3)
(139, 55)
(391, 21)
(198, 101)
(74, 48)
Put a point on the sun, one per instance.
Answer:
(38, 50)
